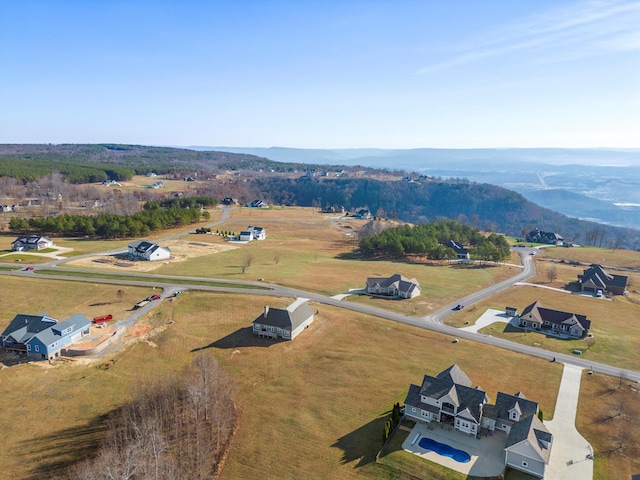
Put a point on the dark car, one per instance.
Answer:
(458, 307)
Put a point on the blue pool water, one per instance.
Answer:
(445, 450)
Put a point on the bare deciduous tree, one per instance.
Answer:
(552, 273)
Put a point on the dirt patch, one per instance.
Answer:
(180, 250)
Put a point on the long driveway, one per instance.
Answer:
(571, 454)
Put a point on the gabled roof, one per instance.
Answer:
(601, 279)
(31, 239)
(284, 318)
(23, 327)
(455, 384)
(50, 335)
(459, 249)
(398, 281)
(531, 431)
(556, 317)
(142, 246)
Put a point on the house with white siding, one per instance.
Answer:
(394, 286)
(145, 250)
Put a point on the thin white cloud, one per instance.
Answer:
(579, 31)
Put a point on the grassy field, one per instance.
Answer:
(320, 402)
(614, 323)
(603, 256)
(609, 417)
(60, 299)
(304, 250)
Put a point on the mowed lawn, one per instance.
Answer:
(614, 323)
(62, 299)
(603, 256)
(304, 250)
(311, 408)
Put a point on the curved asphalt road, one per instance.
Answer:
(432, 322)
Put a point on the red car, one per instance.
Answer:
(154, 297)
(29, 269)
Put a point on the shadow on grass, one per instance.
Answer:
(52, 455)
(243, 337)
(363, 443)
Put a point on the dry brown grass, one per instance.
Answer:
(614, 323)
(318, 401)
(603, 256)
(609, 418)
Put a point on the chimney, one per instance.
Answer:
(266, 311)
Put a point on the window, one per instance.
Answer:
(424, 414)
(535, 325)
(413, 409)
(524, 323)
(37, 348)
(29, 347)
(525, 464)
(514, 415)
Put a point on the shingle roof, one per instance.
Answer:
(401, 282)
(283, 318)
(556, 317)
(23, 327)
(602, 279)
(50, 335)
(533, 431)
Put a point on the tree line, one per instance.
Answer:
(178, 429)
(109, 225)
(429, 239)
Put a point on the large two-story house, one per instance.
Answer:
(595, 278)
(451, 398)
(546, 320)
(538, 236)
(285, 323)
(145, 250)
(41, 337)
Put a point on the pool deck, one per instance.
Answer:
(487, 453)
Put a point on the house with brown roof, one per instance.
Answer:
(556, 322)
(595, 278)
(451, 398)
(394, 286)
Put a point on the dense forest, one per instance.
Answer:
(428, 240)
(108, 226)
(482, 206)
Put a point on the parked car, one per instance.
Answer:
(28, 269)
(155, 296)
(577, 352)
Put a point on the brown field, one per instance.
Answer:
(603, 256)
(614, 323)
(609, 417)
(298, 393)
(60, 299)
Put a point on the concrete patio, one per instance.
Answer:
(487, 453)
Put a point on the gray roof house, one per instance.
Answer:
(538, 236)
(450, 397)
(145, 250)
(546, 320)
(395, 286)
(41, 337)
(595, 278)
(284, 323)
(461, 252)
(31, 242)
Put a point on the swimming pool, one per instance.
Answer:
(445, 450)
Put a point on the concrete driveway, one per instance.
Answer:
(487, 318)
(570, 452)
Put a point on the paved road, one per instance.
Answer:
(432, 322)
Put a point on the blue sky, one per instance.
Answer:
(321, 73)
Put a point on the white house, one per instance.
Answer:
(144, 250)
(259, 233)
(31, 242)
(395, 286)
(246, 235)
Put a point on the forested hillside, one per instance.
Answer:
(247, 177)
